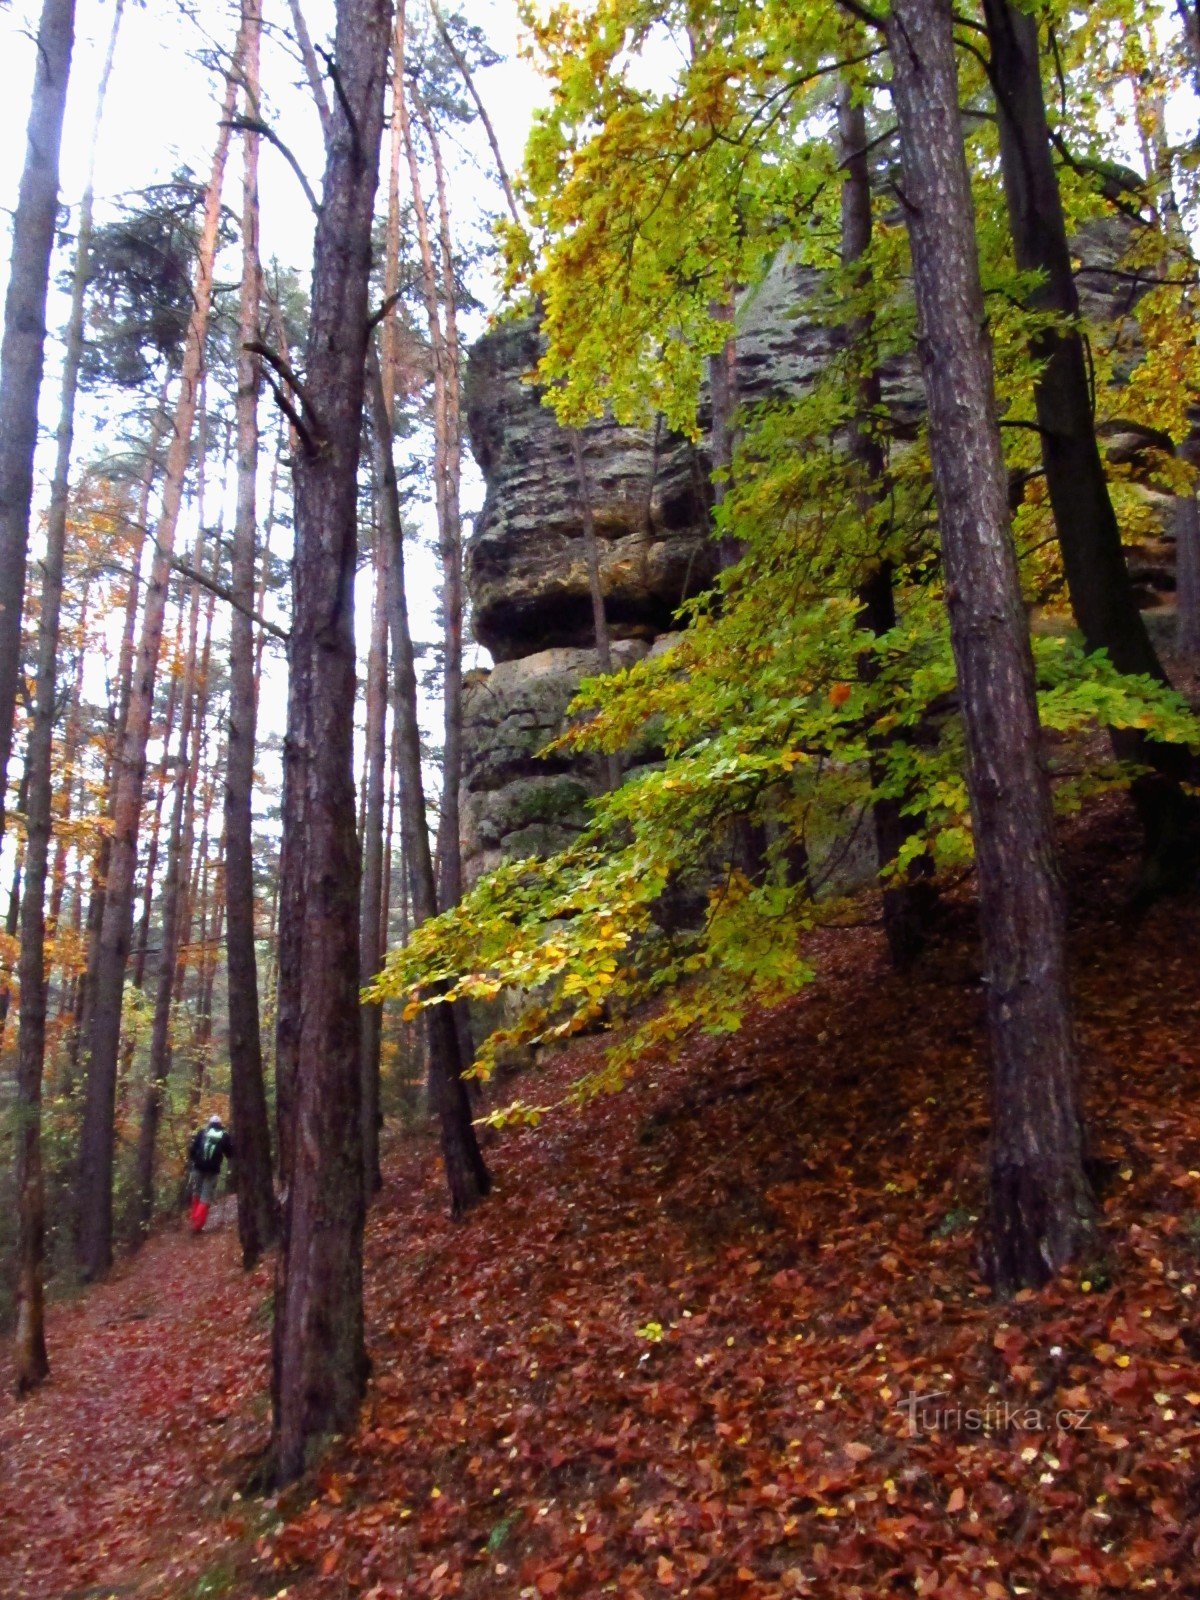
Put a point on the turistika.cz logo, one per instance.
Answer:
(937, 1413)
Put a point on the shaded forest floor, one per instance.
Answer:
(671, 1355)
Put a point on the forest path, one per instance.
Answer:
(669, 1356)
(111, 1472)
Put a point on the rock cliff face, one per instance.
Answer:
(526, 566)
(527, 571)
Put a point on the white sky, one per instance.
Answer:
(161, 113)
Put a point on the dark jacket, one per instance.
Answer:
(208, 1149)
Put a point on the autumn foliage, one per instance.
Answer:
(674, 1352)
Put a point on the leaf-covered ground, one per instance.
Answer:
(672, 1355)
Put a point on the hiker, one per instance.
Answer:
(208, 1149)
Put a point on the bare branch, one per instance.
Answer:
(256, 125)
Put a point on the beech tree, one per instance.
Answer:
(319, 1358)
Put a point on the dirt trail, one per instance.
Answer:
(111, 1472)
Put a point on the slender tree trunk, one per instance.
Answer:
(320, 1362)
(591, 546)
(95, 1178)
(1102, 594)
(213, 922)
(723, 397)
(1189, 16)
(119, 712)
(1187, 576)
(1041, 1213)
(22, 353)
(260, 604)
(466, 1172)
(460, 61)
(72, 738)
(178, 866)
(141, 936)
(247, 1092)
(12, 922)
(453, 606)
(393, 779)
(372, 859)
(312, 69)
(443, 340)
(32, 1363)
(906, 901)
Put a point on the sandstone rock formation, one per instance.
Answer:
(526, 566)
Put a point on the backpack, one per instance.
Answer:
(207, 1149)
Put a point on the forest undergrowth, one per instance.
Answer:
(676, 1352)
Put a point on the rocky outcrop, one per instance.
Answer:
(526, 566)
(516, 802)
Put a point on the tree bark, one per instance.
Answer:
(320, 1362)
(446, 355)
(1102, 595)
(178, 866)
(247, 1091)
(1041, 1212)
(591, 546)
(96, 1155)
(12, 921)
(1187, 576)
(312, 69)
(1189, 16)
(22, 353)
(372, 864)
(32, 1363)
(466, 1172)
(907, 899)
(722, 391)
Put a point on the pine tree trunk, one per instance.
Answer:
(32, 1363)
(443, 341)
(247, 1091)
(22, 353)
(907, 900)
(466, 1172)
(312, 68)
(1102, 595)
(96, 1154)
(373, 865)
(1041, 1213)
(178, 867)
(72, 738)
(320, 1362)
(12, 921)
